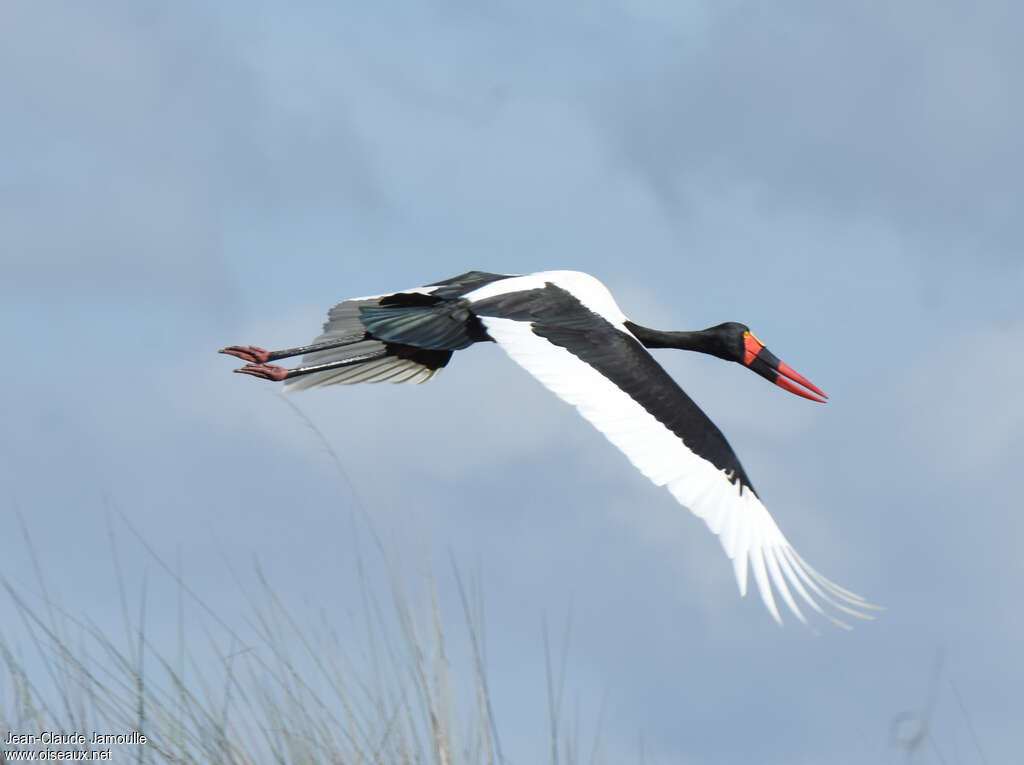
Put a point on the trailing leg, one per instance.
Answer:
(278, 374)
(256, 355)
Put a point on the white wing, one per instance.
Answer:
(734, 514)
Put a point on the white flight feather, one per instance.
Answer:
(745, 528)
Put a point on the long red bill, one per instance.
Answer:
(787, 371)
(766, 364)
(785, 384)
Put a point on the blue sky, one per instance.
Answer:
(846, 181)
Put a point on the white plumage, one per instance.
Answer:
(739, 519)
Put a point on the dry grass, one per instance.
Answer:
(290, 692)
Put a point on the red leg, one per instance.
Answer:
(264, 371)
(250, 353)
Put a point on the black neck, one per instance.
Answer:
(702, 342)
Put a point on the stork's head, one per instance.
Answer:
(731, 341)
(745, 348)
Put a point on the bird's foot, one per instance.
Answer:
(250, 353)
(264, 371)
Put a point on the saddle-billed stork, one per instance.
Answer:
(565, 328)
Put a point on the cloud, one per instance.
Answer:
(144, 132)
(969, 413)
(903, 114)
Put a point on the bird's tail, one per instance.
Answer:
(372, 360)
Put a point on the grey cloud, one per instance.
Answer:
(143, 130)
(905, 113)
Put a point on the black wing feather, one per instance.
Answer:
(559, 317)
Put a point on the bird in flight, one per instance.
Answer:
(565, 329)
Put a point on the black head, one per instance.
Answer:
(727, 340)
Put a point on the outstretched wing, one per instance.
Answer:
(407, 336)
(383, 361)
(617, 385)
